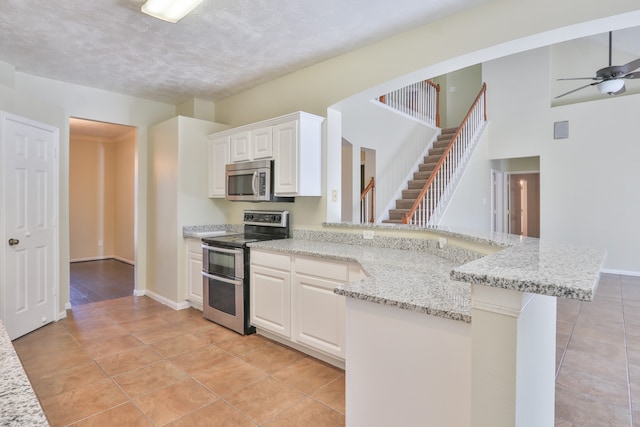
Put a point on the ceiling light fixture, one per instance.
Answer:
(169, 10)
(610, 86)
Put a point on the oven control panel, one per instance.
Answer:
(266, 218)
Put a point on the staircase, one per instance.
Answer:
(427, 195)
(420, 177)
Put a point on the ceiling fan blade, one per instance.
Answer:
(575, 90)
(580, 78)
(631, 66)
(632, 76)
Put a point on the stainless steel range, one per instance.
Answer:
(225, 268)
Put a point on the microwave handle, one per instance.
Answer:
(254, 186)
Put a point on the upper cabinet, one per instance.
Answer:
(251, 145)
(293, 141)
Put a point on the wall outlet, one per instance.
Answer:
(100, 243)
(442, 242)
(334, 196)
(368, 234)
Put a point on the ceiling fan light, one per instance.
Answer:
(169, 10)
(610, 86)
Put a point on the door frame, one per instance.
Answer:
(500, 198)
(55, 244)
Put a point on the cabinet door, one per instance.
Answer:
(319, 315)
(261, 143)
(285, 155)
(194, 268)
(240, 143)
(271, 300)
(218, 159)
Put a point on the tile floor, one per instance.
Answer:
(132, 361)
(598, 356)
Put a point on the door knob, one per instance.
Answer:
(13, 242)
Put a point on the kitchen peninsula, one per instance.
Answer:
(450, 327)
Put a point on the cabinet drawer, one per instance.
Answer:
(271, 260)
(332, 270)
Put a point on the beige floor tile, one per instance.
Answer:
(45, 362)
(89, 335)
(308, 375)
(214, 333)
(179, 344)
(272, 358)
(333, 394)
(217, 414)
(309, 412)
(150, 378)
(128, 360)
(201, 359)
(264, 399)
(605, 334)
(170, 403)
(241, 345)
(573, 409)
(562, 340)
(99, 348)
(82, 402)
(593, 386)
(154, 322)
(66, 380)
(155, 334)
(226, 377)
(124, 415)
(590, 345)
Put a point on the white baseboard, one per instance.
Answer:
(621, 272)
(101, 258)
(139, 292)
(166, 301)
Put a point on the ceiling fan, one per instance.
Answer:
(609, 79)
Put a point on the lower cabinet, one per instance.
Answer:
(194, 270)
(292, 297)
(270, 292)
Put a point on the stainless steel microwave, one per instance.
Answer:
(251, 182)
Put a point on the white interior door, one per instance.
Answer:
(29, 204)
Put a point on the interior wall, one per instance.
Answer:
(125, 184)
(458, 90)
(470, 205)
(347, 184)
(53, 102)
(586, 179)
(101, 198)
(398, 143)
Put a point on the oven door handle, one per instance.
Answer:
(223, 250)
(222, 279)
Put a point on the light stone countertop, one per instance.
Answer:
(423, 281)
(19, 405)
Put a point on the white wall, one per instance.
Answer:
(470, 206)
(53, 102)
(588, 182)
(397, 141)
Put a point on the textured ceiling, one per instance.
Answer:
(221, 48)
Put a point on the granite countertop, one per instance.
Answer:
(412, 280)
(19, 405)
(423, 281)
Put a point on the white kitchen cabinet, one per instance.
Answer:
(270, 293)
(254, 144)
(219, 156)
(315, 322)
(194, 268)
(297, 154)
(293, 141)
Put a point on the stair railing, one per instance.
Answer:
(427, 206)
(420, 100)
(367, 203)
